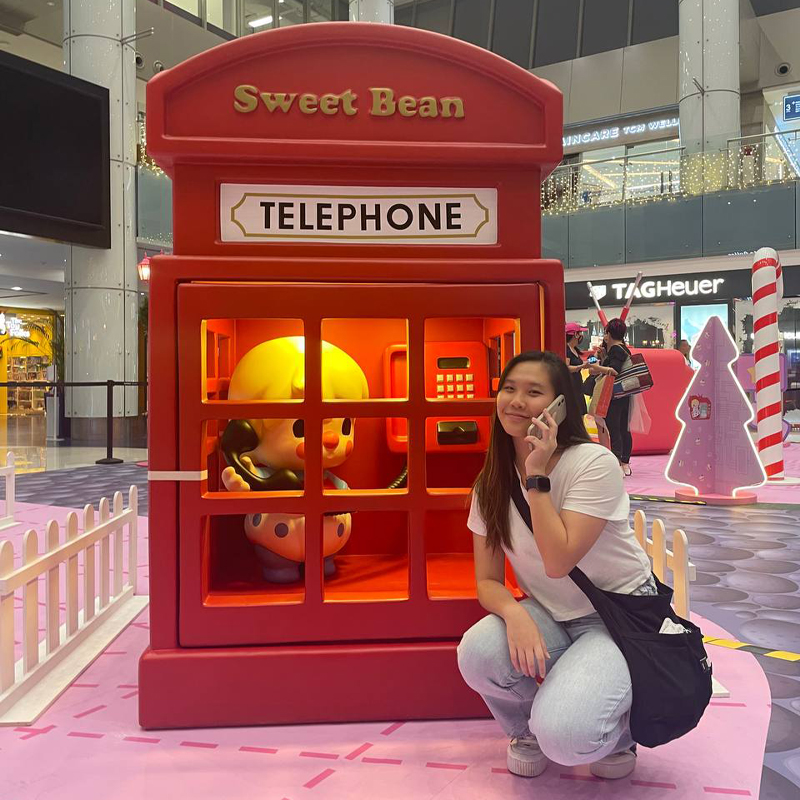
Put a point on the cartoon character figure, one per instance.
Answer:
(269, 454)
(699, 407)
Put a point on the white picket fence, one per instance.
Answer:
(89, 619)
(675, 560)
(9, 472)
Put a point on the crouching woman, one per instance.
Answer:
(546, 666)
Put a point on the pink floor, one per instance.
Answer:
(89, 745)
(648, 479)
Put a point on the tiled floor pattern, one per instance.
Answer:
(77, 487)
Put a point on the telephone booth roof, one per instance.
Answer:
(353, 93)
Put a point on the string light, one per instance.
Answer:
(143, 158)
(636, 180)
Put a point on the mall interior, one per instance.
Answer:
(218, 217)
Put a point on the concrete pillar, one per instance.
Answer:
(102, 298)
(372, 11)
(709, 96)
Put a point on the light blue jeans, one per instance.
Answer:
(580, 712)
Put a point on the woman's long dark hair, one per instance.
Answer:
(493, 485)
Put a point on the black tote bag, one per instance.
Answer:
(670, 672)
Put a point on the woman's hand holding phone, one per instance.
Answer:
(541, 448)
(526, 646)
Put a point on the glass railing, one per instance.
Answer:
(747, 162)
(764, 159)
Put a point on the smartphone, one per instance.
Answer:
(557, 410)
(591, 360)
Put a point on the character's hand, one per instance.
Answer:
(526, 646)
(234, 482)
(596, 369)
(541, 449)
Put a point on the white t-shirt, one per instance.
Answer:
(586, 479)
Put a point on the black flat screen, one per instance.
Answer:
(54, 154)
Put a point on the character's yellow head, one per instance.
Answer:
(275, 370)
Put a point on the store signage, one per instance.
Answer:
(357, 214)
(791, 107)
(657, 289)
(380, 102)
(686, 288)
(12, 326)
(633, 129)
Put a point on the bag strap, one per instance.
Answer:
(578, 576)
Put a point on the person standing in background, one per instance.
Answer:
(616, 353)
(574, 333)
(684, 348)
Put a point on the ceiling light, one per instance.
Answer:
(260, 22)
(16, 288)
(18, 235)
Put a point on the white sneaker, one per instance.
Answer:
(525, 757)
(617, 765)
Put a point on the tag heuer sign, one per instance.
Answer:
(353, 214)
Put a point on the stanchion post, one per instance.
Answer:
(109, 459)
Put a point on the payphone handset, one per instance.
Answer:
(557, 410)
(453, 371)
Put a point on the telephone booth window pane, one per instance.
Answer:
(255, 455)
(377, 348)
(450, 565)
(244, 362)
(455, 449)
(464, 357)
(373, 563)
(364, 454)
(448, 555)
(253, 561)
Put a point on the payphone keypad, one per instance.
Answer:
(455, 385)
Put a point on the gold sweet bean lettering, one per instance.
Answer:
(385, 102)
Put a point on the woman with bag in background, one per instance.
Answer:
(616, 354)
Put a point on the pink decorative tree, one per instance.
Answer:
(714, 454)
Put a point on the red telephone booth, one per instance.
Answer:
(374, 187)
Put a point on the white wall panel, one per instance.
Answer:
(561, 75)
(650, 75)
(596, 87)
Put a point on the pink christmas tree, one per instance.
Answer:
(714, 452)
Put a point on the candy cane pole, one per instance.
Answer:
(600, 312)
(767, 293)
(624, 315)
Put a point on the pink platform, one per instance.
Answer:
(89, 745)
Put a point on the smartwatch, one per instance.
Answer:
(539, 482)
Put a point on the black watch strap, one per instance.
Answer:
(539, 482)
